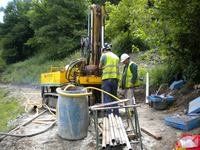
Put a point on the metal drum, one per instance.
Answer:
(72, 113)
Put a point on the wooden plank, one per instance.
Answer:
(155, 136)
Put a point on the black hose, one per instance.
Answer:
(71, 65)
(29, 135)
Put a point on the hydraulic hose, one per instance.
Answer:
(94, 88)
(70, 67)
(59, 91)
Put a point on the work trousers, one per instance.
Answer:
(129, 94)
(110, 86)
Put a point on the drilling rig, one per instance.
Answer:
(84, 71)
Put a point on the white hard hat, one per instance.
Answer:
(124, 57)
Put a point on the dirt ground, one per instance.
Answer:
(149, 119)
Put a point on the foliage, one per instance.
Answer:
(58, 26)
(51, 30)
(123, 25)
(15, 32)
(2, 65)
(167, 26)
(183, 36)
(9, 109)
(158, 75)
(55, 27)
(101, 2)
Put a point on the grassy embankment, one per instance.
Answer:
(10, 109)
(28, 71)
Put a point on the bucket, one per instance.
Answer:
(160, 102)
(72, 113)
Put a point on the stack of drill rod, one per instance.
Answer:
(114, 133)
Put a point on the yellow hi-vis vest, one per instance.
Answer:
(110, 69)
(129, 75)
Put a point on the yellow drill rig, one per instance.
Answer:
(84, 71)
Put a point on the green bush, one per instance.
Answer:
(163, 73)
(122, 43)
(2, 64)
(141, 75)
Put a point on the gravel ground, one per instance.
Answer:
(149, 119)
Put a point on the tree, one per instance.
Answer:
(169, 27)
(101, 2)
(15, 32)
(126, 24)
(58, 25)
(183, 35)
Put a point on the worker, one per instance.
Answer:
(110, 74)
(129, 77)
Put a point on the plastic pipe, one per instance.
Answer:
(104, 133)
(147, 87)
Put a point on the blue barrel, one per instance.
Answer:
(72, 114)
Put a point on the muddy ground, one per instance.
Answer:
(149, 119)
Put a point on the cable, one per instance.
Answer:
(70, 67)
(103, 92)
(28, 135)
(59, 91)
(49, 109)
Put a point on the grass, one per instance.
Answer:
(28, 71)
(10, 109)
(160, 74)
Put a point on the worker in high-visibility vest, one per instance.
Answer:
(110, 74)
(129, 77)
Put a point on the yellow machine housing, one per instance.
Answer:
(89, 80)
(55, 77)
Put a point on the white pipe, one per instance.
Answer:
(134, 103)
(122, 141)
(102, 35)
(147, 87)
(102, 26)
(112, 135)
(104, 133)
(116, 131)
(88, 24)
(125, 135)
(91, 29)
(107, 132)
